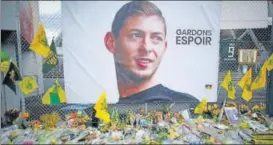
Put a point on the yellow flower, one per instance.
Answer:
(115, 137)
(173, 134)
(211, 140)
(85, 118)
(132, 117)
(53, 141)
(206, 108)
(215, 106)
(209, 108)
(255, 108)
(51, 129)
(244, 125)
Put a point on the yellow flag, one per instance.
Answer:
(39, 43)
(101, 108)
(199, 109)
(229, 86)
(260, 80)
(245, 84)
(54, 95)
(5, 66)
(270, 63)
(28, 85)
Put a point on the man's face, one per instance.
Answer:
(141, 45)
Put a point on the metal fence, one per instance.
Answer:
(253, 38)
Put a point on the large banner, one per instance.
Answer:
(140, 51)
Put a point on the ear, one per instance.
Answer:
(166, 45)
(109, 42)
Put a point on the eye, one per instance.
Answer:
(135, 35)
(158, 38)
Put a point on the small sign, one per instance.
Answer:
(232, 115)
(208, 86)
(186, 114)
(229, 55)
(248, 56)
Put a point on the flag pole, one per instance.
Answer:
(57, 66)
(3, 96)
(220, 116)
(1, 81)
(19, 52)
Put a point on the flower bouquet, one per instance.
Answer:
(36, 124)
(243, 108)
(49, 121)
(11, 115)
(231, 104)
(212, 111)
(258, 108)
(130, 117)
(77, 120)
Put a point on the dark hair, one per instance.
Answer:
(134, 8)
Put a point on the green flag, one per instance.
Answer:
(4, 56)
(12, 75)
(54, 95)
(51, 60)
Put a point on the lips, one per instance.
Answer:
(143, 63)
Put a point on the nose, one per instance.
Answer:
(146, 45)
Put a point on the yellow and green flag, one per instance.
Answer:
(199, 109)
(54, 95)
(260, 80)
(270, 63)
(39, 43)
(51, 60)
(101, 108)
(28, 85)
(245, 84)
(228, 85)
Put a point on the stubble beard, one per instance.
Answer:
(128, 77)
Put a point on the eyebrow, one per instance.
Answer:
(157, 33)
(153, 33)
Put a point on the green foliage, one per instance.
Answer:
(161, 137)
(167, 108)
(115, 116)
